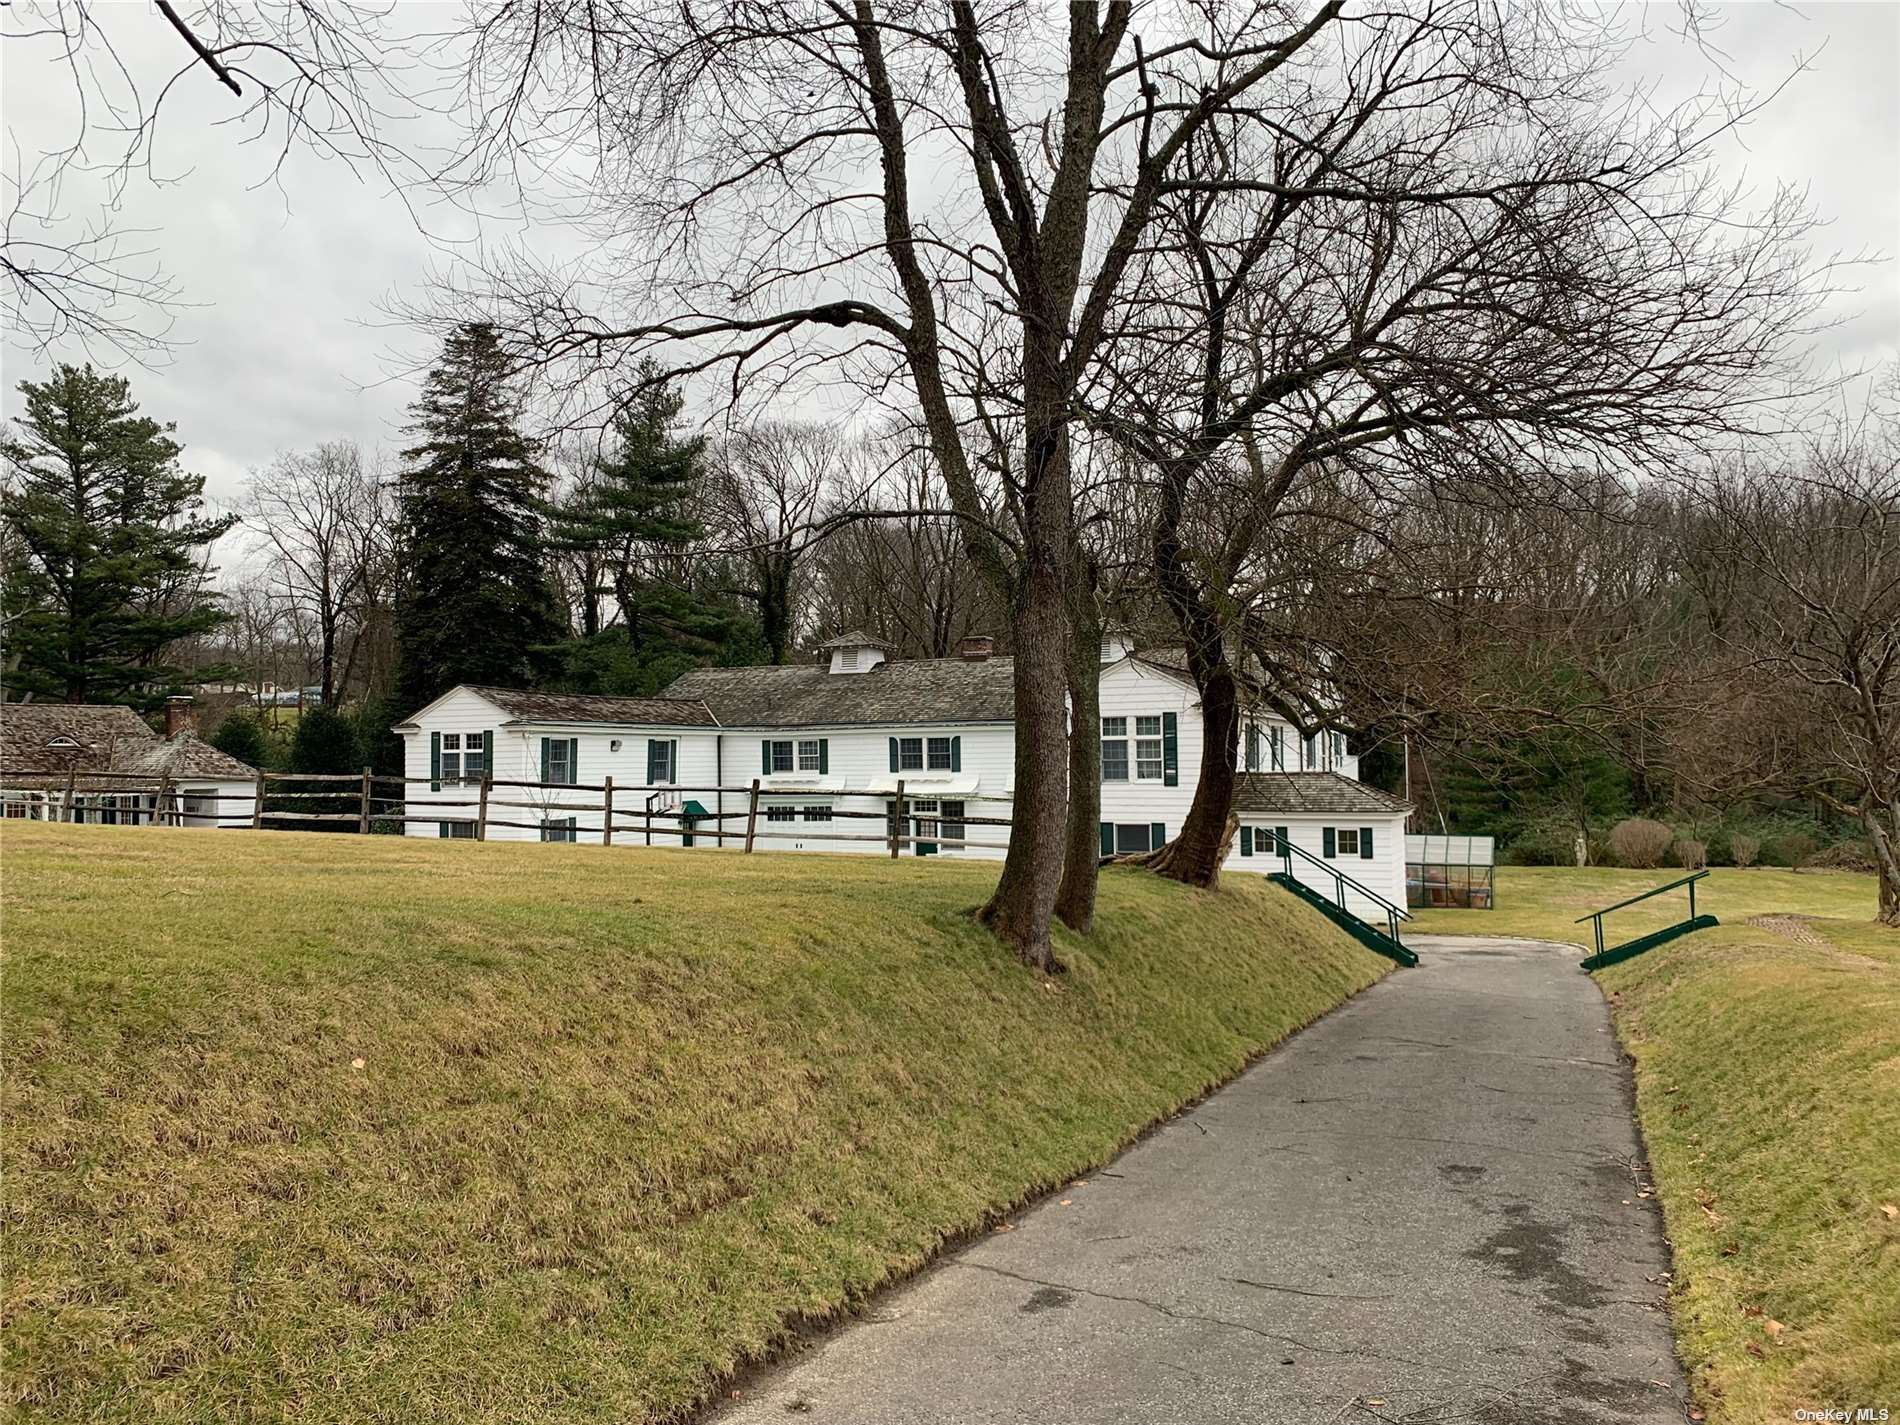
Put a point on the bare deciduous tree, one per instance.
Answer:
(325, 518)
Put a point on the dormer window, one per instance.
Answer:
(62, 743)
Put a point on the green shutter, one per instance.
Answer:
(1246, 841)
(1365, 843)
(956, 754)
(1157, 835)
(893, 754)
(1328, 849)
(1108, 838)
(765, 757)
(824, 756)
(435, 761)
(545, 742)
(573, 761)
(1170, 751)
(653, 760)
(442, 830)
(1280, 843)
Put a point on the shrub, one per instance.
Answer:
(1640, 842)
(1691, 855)
(1743, 850)
(1790, 848)
(1842, 856)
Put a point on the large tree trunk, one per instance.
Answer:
(1023, 904)
(1196, 854)
(1081, 860)
(1886, 843)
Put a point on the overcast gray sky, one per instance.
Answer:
(285, 345)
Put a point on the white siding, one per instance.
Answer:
(1383, 873)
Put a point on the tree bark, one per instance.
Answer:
(1886, 843)
(1021, 908)
(1081, 860)
(1195, 855)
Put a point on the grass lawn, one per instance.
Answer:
(1768, 1083)
(341, 1128)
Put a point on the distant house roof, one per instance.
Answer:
(924, 690)
(42, 741)
(1310, 794)
(856, 638)
(589, 707)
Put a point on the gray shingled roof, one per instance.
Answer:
(105, 735)
(111, 740)
(665, 711)
(925, 690)
(1310, 794)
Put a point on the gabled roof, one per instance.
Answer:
(186, 755)
(59, 737)
(1310, 794)
(590, 707)
(921, 690)
(52, 739)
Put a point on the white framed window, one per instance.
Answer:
(809, 755)
(781, 813)
(937, 751)
(782, 757)
(559, 752)
(455, 830)
(558, 828)
(464, 756)
(1337, 745)
(1347, 839)
(910, 754)
(925, 814)
(17, 810)
(1148, 749)
(816, 813)
(1114, 749)
(662, 752)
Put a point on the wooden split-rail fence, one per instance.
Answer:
(357, 800)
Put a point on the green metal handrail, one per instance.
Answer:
(1596, 916)
(1393, 913)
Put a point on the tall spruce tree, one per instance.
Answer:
(636, 516)
(476, 601)
(106, 540)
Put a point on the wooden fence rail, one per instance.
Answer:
(160, 800)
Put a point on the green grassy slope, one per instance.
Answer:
(406, 1130)
(1768, 1084)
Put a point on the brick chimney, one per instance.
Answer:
(178, 715)
(976, 649)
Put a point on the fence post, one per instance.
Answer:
(481, 813)
(897, 818)
(607, 812)
(752, 816)
(71, 777)
(362, 814)
(257, 805)
(165, 782)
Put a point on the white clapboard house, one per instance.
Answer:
(840, 733)
(101, 765)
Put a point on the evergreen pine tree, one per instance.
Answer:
(105, 541)
(241, 736)
(476, 600)
(637, 517)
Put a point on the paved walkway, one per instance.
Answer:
(1422, 1209)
